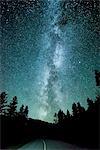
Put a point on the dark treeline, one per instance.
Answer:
(12, 121)
(81, 127)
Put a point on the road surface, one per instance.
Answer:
(49, 145)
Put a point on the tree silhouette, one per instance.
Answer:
(56, 118)
(61, 116)
(12, 107)
(97, 104)
(80, 109)
(68, 114)
(74, 109)
(97, 77)
(26, 112)
(90, 105)
(21, 112)
(3, 103)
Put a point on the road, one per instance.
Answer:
(49, 145)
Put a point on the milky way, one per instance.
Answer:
(50, 50)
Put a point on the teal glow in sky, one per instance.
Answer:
(50, 50)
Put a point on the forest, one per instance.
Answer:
(81, 127)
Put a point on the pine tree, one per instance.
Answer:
(90, 105)
(26, 112)
(12, 107)
(74, 109)
(80, 109)
(21, 112)
(55, 118)
(97, 77)
(3, 103)
(68, 114)
(61, 116)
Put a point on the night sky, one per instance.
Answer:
(49, 51)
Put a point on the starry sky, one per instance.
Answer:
(49, 51)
